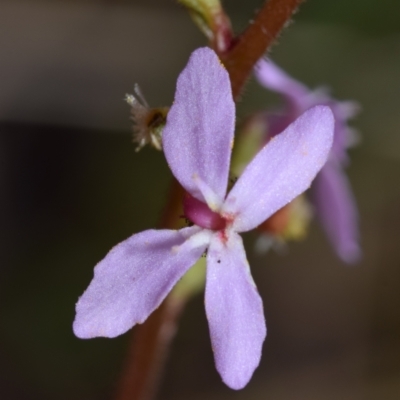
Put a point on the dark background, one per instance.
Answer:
(71, 187)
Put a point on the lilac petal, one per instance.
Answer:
(234, 311)
(273, 78)
(198, 135)
(282, 170)
(336, 208)
(213, 200)
(344, 135)
(134, 278)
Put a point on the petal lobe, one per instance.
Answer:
(282, 170)
(234, 311)
(134, 278)
(200, 125)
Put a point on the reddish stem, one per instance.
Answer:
(150, 341)
(148, 352)
(256, 40)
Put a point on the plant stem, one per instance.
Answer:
(250, 46)
(148, 352)
(150, 341)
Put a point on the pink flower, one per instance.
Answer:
(331, 193)
(136, 275)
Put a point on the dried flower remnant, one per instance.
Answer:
(148, 123)
(331, 193)
(136, 275)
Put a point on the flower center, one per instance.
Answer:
(200, 214)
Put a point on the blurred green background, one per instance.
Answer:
(72, 187)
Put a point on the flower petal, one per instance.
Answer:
(274, 78)
(336, 208)
(282, 170)
(234, 311)
(134, 278)
(198, 135)
(344, 136)
(212, 199)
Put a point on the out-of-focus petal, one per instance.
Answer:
(336, 208)
(346, 109)
(133, 279)
(234, 311)
(344, 135)
(273, 78)
(282, 170)
(198, 135)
